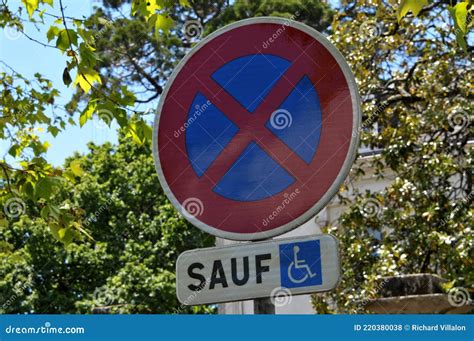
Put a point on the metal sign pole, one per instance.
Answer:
(263, 306)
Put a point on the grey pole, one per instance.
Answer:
(263, 306)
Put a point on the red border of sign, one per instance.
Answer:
(311, 55)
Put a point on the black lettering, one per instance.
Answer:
(218, 275)
(235, 279)
(192, 274)
(258, 265)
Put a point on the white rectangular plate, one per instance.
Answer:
(262, 269)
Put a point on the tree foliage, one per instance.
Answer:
(129, 267)
(416, 87)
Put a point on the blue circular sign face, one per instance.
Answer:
(254, 131)
(255, 175)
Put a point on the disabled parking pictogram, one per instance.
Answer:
(300, 264)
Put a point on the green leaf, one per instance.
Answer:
(54, 211)
(45, 212)
(86, 78)
(54, 227)
(87, 54)
(138, 6)
(31, 6)
(44, 187)
(459, 14)
(87, 113)
(3, 223)
(66, 235)
(163, 23)
(413, 6)
(121, 116)
(15, 150)
(63, 42)
(76, 168)
(140, 132)
(29, 189)
(66, 77)
(52, 33)
(53, 130)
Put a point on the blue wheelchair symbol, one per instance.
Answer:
(300, 264)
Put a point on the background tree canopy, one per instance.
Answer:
(100, 232)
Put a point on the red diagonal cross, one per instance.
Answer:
(256, 131)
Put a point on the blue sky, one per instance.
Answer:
(28, 57)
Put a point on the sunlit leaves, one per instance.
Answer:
(140, 132)
(76, 168)
(44, 187)
(459, 13)
(417, 102)
(162, 23)
(155, 12)
(26, 104)
(407, 6)
(86, 77)
(66, 38)
(52, 33)
(31, 6)
(87, 113)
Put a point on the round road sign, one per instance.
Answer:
(256, 129)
